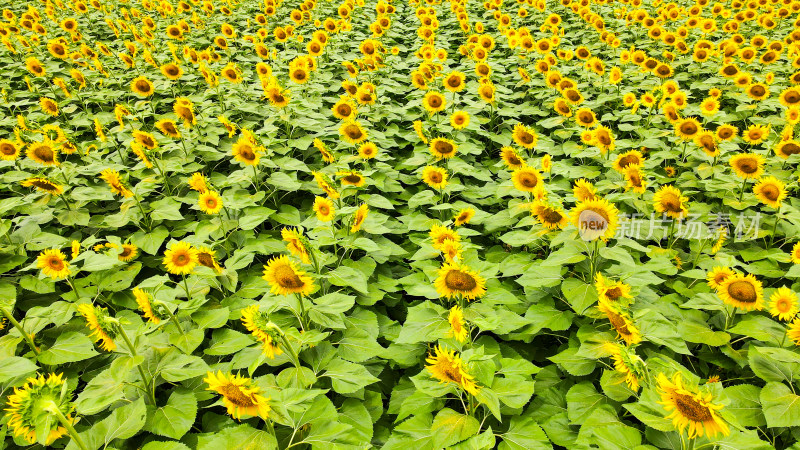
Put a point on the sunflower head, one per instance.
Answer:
(524, 136)
(456, 280)
(595, 218)
(463, 216)
(770, 191)
(748, 165)
(783, 304)
(241, 396)
(266, 332)
(53, 263)
(324, 209)
(102, 325)
(669, 200)
(447, 366)
(31, 407)
(620, 321)
(180, 258)
(285, 278)
(442, 148)
(690, 408)
(742, 291)
(145, 304)
(550, 216)
(435, 177)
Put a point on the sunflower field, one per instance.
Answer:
(399, 224)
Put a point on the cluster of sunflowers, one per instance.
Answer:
(364, 224)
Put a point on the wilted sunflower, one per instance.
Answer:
(240, 395)
(447, 367)
(113, 180)
(263, 330)
(524, 137)
(785, 149)
(670, 201)
(210, 202)
(285, 278)
(550, 216)
(128, 253)
(142, 87)
(27, 405)
(459, 120)
(621, 322)
(443, 148)
(612, 291)
(169, 128)
(747, 165)
(742, 291)
(463, 217)
(528, 179)
(601, 207)
(9, 151)
(692, 409)
(353, 132)
(718, 275)
(783, 304)
(770, 191)
(145, 305)
(435, 177)
(44, 153)
(324, 209)
(458, 329)
(180, 259)
(458, 280)
(44, 185)
(755, 134)
(97, 320)
(53, 263)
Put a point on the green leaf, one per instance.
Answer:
(745, 404)
(14, 367)
(348, 276)
(582, 400)
(781, 405)
(701, 333)
(524, 434)
(514, 392)
(774, 364)
(233, 438)
(424, 323)
(226, 341)
(94, 262)
(347, 377)
(166, 209)
(450, 427)
(579, 295)
(123, 423)
(175, 418)
(69, 347)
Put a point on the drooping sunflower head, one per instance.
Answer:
(359, 217)
(620, 321)
(198, 182)
(770, 191)
(689, 408)
(145, 139)
(180, 258)
(447, 366)
(626, 363)
(168, 127)
(143, 300)
(296, 243)
(456, 280)
(241, 396)
(458, 328)
(101, 323)
(44, 185)
(266, 332)
(285, 278)
(30, 405)
(742, 291)
(748, 165)
(114, 182)
(206, 258)
(612, 291)
(511, 158)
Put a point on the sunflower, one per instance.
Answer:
(143, 301)
(528, 179)
(459, 120)
(755, 134)
(296, 244)
(97, 320)
(442, 148)
(435, 177)
(687, 128)
(171, 71)
(245, 151)
(53, 263)
(757, 91)
(562, 107)
(198, 182)
(263, 330)
(285, 278)
(692, 409)
(511, 158)
(35, 67)
(27, 404)
(368, 150)
(783, 304)
(168, 128)
(632, 157)
(434, 102)
(790, 97)
(9, 151)
(727, 132)
(458, 329)
(747, 165)
(113, 180)
(612, 291)
(624, 363)
(709, 107)
(785, 149)
(721, 238)
(524, 137)
(447, 367)
(770, 191)
(324, 183)
(359, 217)
(440, 234)
(795, 256)
(145, 139)
(635, 178)
(420, 133)
(142, 87)
(180, 259)
(454, 81)
(742, 291)
(128, 253)
(603, 139)
(324, 209)
(707, 142)
(550, 216)
(585, 117)
(49, 106)
(210, 202)
(458, 280)
(353, 132)
(44, 153)
(240, 395)
(184, 108)
(298, 74)
(584, 190)
(621, 322)
(206, 258)
(793, 331)
(344, 109)
(463, 217)
(44, 185)
(718, 275)
(597, 207)
(486, 91)
(351, 178)
(668, 200)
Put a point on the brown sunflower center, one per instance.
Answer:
(460, 281)
(143, 86)
(353, 132)
(435, 177)
(172, 71)
(344, 110)
(551, 216)
(603, 137)
(619, 323)
(784, 304)
(690, 408)
(725, 133)
(454, 82)
(747, 165)
(528, 179)
(770, 191)
(286, 277)
(688, 128)
(792, 97)
(435, 101)
(298, 74)
(614, 293)
(525, 137)
(55, 263)
(211, 203)
(181, 259)
(671, 202)
(44, 153)
(236, 396)
(247, 153)
(743, 291)
(126, 251)
(444, 147)
(8, 149)
(628, 160)
(790, 149)
(352, 178)
(758, 90)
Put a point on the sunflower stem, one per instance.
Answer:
(741, 192)
(52, 408)
(302, 311)
(21, 330)
(132, 351)
(290, 350)
(774, 227)
(186, 288)
(175, 321)
(270, 427)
